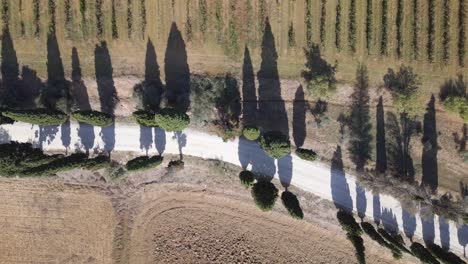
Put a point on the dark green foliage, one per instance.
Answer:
(446, 31)
(247, 178)
(203, 14)
(372, 233)
(404, 82)
(115, 32)
(319, 74)
(369, 24)
(358, 244)
(291, 36)
(264, 194)
(37, 18)
(68, 17)
(43, 117)
(94, 118)
(359, 121)
(384, 36)
(399, 29)
(323, 21)
(275, 144)
(443, 255)
(176, 164)
(461, 32)
(395, 239)
(431, 31)
(97, 163)
(416, 29)
(129, 18)
(145, 118)
(352, 26)
(143, 163)
(454, 97)
(291, 203)
(171, 120)
(348, 223)
(306, 154)
(308, 22)
(99, 19)
(14, 157)
(251, 133)
(228, 108)
(423, 254)
(338, 26)
(143, 17)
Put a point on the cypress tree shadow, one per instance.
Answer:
(249, 95)
(285, 167)
(107, 92)
(47, 134)
(146, 138)
(177, 71)
(428, 229)
(10, 70)
(65, 135)
(152, 87)
(4, 136)
(381, 162)
(31, 88)
(299, 118)
(339, 186)
(444, 233)
(409, 224)
(272, 112)
(181, 142)
(430, 148)
(376, 208)
(462, 233)
(359, 121)
(160, 140)
(57, 88)
(361, 201)
(389, 221)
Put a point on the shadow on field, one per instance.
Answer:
(107, 92)
(430, 148)
(249, 95)
(299, 117)
(10, 71)
(381, 162)
(177, 71)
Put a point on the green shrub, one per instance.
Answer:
(251, 133)
(145, 118)
(171, 120)
(97, 163)
(395, 239)
(42, 117)
(73, 161)
(94, 118)
(143, 163)
(423, 254)
(275, 144)
(348, 223)
(374, 235)
(264, 194)
(291, 203)
(306, 154)
(247, 178)
(457, 105)
(443, 255)
(358, 244)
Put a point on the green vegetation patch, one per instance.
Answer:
(306, 154)
(94, 118)
(275, 144)
(42, 117)
(145, 118)
(144, 163)
(251, 133)
(374, 235)
(265, 195)
(247, 178)
(170, 119)
(291, 203)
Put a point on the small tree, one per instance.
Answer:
(247, 178)
(348, 223)
(94, 118)
(170, 119)
(291, 203)
(306, 154)
(265, 195)
(275, 144)
(251, 133)
(320, 75)
(145, 118)
(403, 85)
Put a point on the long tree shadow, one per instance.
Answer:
(430, 148)
(160, 140)
(31, 87)
(377, 214)
(271, 108)
(462, 233)
(80, 95)
(177, 71)
(107, 92)
(249, 95)
(57, 92)
(299, 117)
(146, 138)
(361, 201)
(285, 170)
(428, 229)
(65, 135)
(10, 71)
(381, 162)
(389, 221)
(46, 134)
(339, 186)
(409, 224)
(444, 233)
